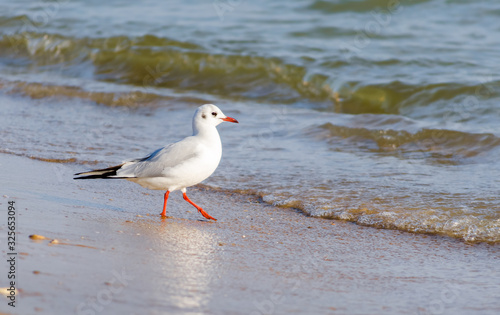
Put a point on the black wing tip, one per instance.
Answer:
(100, 176)
(90, 176)
(105, 173)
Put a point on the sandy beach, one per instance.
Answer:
(115, 255)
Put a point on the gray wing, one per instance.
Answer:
(155, 164)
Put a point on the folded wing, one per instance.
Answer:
(155, 164)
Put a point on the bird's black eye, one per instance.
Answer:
(214, 114)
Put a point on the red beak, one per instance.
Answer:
(230, 119)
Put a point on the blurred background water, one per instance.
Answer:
(380, 112)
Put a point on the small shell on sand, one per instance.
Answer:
(6, 291)
(54, 241)
(37, 237)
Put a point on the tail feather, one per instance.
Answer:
(100, 173)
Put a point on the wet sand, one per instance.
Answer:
(117, 256)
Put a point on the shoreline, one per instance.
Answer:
(115, 254)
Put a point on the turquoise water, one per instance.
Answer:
(380, 112)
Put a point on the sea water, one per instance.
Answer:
(380, 112)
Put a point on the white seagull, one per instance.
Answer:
(179, 165)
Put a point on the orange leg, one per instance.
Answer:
(164, 213)
(203, 213)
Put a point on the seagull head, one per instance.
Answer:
(209, 115)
